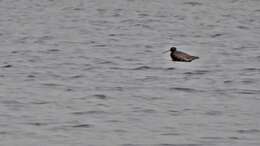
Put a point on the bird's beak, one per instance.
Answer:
(166, 51)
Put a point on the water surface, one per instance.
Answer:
(88, 72)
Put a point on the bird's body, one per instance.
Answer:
(181, 56)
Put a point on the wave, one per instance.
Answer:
(143, 68)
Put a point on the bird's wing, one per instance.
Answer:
(182, 56)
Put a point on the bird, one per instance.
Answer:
(181, 56)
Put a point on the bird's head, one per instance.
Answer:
(173, 49)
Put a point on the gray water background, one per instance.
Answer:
(92, 73)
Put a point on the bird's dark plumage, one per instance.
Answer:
(181, 56)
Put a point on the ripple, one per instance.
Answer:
(151, 68)
(23, 40)
(69, 89)
(212, 138)
(197, 72)
(52, 84)
(216, 35)
(180, 17)
(249, 131)
(82, 126)
(7, 66)
(37, 124)
(76, 76)
(53, 50)
(240, 48)
(170, 134)
(234, 137)
(170, 68)
(41, 102)
(142, 68)
(252, 69)
(43, 39)
(213, 113)
(106, 62)
(100, 45)
(246, 91)
(77, 9)
(114, 121)
(178, 145)
(174, 112)
(227, 81)
(238, 91)
(234, 1)
(100, 96)
(145, 111)
(144, 26)
(193, 3)
(110, 88)
(243, 27)
(89, 112)
(120, 131)
(190, 90)
(143, 14)
(131, 144)
(148, 46)
(11, 102)
(101, 10)
(112, 34)
(15, 52)
(258, 58)
(31, 76)
(148, 78)
(118, 68)
(248, 81)
(4, 133)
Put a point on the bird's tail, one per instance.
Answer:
(195, 57)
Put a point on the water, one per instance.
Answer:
(92, 73)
